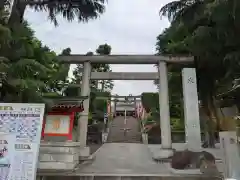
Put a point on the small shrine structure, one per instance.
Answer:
(58, 143)
(60, 118)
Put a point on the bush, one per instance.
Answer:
(150, 101)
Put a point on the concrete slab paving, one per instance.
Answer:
(123, 158)
(124, 161)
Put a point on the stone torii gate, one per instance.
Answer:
(192, 125)
(127, 99)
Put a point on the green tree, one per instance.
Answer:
(59, 78)
(69, 9)
(175, 95)
(208, 31)
(105, 85)
(104, 49)
(28, 68)
(78, 72)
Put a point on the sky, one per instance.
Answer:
(128, 26)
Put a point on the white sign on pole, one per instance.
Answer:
(23, 122)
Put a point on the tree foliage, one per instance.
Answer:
(208, 30)
(97, 106)
(28, 68)
(106, 85)
(83, 10)
(104, 49)
(150, 102)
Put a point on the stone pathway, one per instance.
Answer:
(125, 161)
(124, 131)
(118, 159)
(124, 157)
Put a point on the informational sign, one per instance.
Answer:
(22, 124)
(57, 124)
(6, 149)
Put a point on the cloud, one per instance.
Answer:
(129, 26)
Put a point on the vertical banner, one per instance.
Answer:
(22, 122)
(109, 108)
(191, 109)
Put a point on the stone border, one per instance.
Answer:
(60, 144)
(144, 138)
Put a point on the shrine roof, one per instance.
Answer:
(67, 106)
(63, 103)
(66, 98)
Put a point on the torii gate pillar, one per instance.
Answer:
(164, 112)
(85, 91)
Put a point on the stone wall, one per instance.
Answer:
(59, 155)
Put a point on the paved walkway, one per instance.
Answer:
(120, 158)
(123, 159)
(126, 131)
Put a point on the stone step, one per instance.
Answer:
(47, 157)
(147, 178)
(128, 177)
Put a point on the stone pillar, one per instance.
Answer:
(85, 91)
(164, 111)
(230, 154)
(191, 109)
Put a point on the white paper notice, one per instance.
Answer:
(6, 150)
(24, 167)
(24, 123)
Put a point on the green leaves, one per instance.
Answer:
(83, 10)
(208, 30)
(26, 84)
(210, 34)
(27, 68)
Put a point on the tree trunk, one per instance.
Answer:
(217, 117)
(102, 88)
(209, 129)
(17, 13)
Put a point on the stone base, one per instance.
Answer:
(84, 153)
(186, 171)
(207, 172)
(58, 155)
(104, 137)
(57, 165)
(132, 177)
(145, 138)
(163, 155)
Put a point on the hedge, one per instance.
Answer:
(150, 101)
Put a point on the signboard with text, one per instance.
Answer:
(57, 124)
(23, 123)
